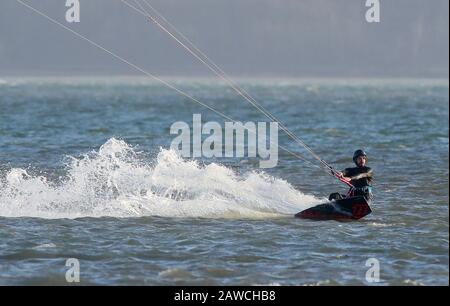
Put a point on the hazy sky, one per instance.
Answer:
(283, 38)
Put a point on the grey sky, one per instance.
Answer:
(287, 38)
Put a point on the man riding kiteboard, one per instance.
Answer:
(360, 178)
(353, 205)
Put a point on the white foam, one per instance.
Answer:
(115, 182)
(44, 246)
(410, 282)
(175, 273)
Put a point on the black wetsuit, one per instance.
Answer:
(361, 179)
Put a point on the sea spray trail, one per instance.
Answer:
(116, 182)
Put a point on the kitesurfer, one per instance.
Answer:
(360, 177)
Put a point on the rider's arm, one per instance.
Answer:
(337, 173)
(368, 174)
(345, 173)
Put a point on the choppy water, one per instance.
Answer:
(85, 172)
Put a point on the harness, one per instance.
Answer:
(354, 190)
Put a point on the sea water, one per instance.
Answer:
(86, 172)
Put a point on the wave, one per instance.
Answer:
(116, 182)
